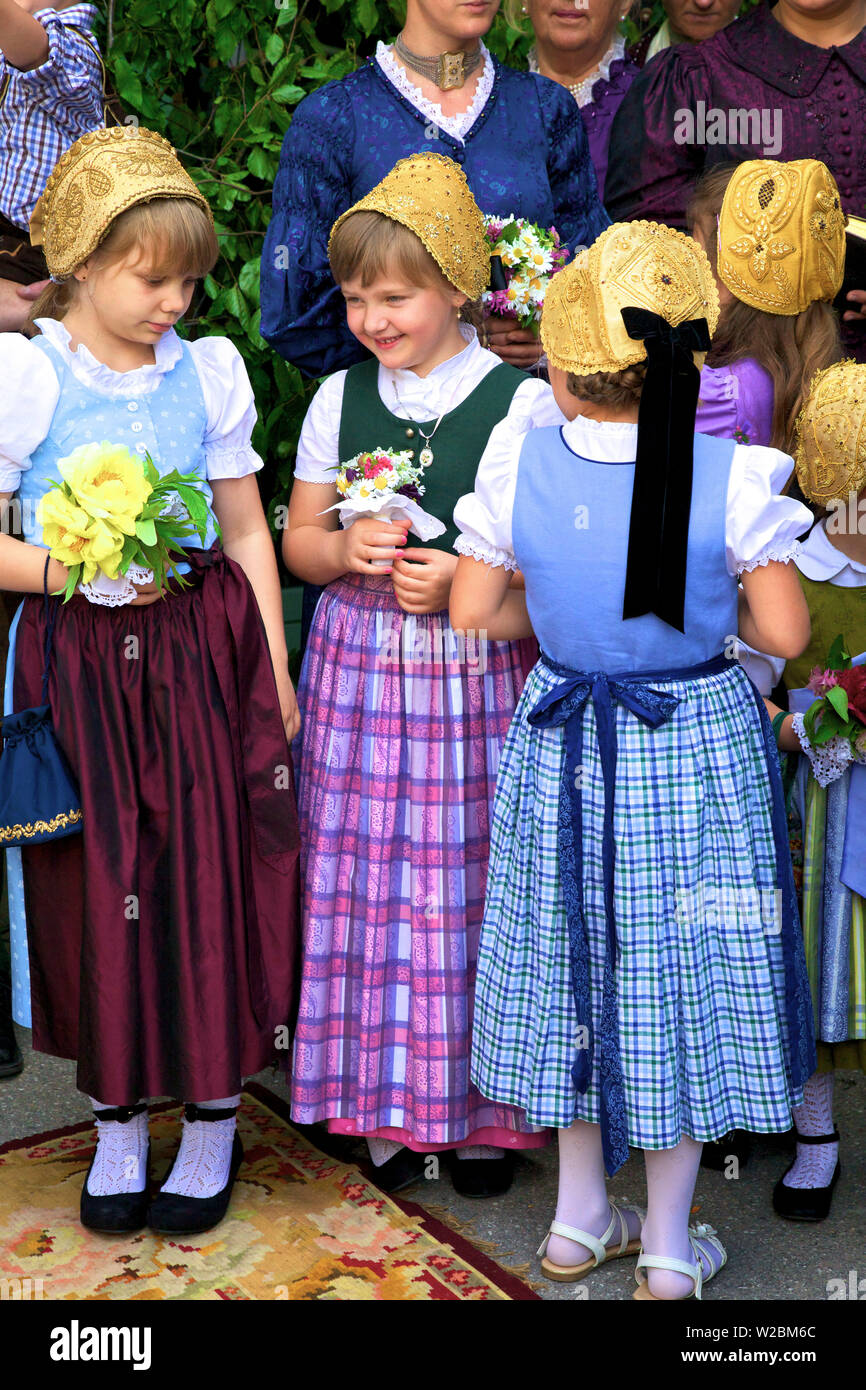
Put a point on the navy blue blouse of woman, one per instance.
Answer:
(521, 143)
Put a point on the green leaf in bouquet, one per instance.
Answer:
(197, 506)
(809, 718)
(150, 471)
(838, 659)
(128, 554)
(72, 582)
(838, 698)
(146, 532)
(829, 727)
(509, 234)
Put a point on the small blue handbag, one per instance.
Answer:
(38, 797)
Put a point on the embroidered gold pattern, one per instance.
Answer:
(39, 827)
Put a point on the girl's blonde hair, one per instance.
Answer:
(369, 245)
(175, 232)
(615, 389)
(792, 348)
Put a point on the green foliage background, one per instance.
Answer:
(220, 80)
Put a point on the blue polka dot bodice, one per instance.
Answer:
(169, 423)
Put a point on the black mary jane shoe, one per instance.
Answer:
(400, 1170)
(482, 1177)
(806, 1203)
(117, 1213)
(172, 1213)
(737, 1143)
(11, 1061)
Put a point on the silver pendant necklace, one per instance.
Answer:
(425, 458)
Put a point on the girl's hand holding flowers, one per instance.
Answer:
(422, 580)
(369, 541)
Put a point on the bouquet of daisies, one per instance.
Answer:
(835, 722)
(115, 522)
(384, 483)
(528, 256)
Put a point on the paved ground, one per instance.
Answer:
(768, 1258)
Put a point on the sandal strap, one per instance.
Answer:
(193, 1112)
(817, 1138)
(696, 1271)
(617, 1215)
(121, 1113)
(559, 1228)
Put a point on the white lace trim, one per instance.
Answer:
(85, 367)
(489, 554)
(456, 126)
(582, 91)
(784, 553)
(115, 593)
(830, 761)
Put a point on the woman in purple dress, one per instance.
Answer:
(787, 82)
(582, 49)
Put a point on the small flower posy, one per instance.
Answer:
(835, 722)
(384, 483)
(114, 513)
(530, 255)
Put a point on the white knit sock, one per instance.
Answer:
(120, 1165)
(479, 1151)
(382, 1149)
(202, 1166)
(814, 1164)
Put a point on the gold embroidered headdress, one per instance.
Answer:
(100, 176)
(782, 235)
(640, 264)
(429, 194)
(831, 434)
(644, 291)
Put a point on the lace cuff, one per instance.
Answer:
(489, 554)
(786, 552)
(115, 593)
(830, 760)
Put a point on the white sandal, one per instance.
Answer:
(695, 1271)
(569, 1274)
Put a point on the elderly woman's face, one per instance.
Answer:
(699, 19)
(570, 26)
(460, 19)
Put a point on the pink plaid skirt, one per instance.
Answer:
(403, 723)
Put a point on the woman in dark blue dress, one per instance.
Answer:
(518, 136)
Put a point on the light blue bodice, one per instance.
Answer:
(570, 538)
(169, 423)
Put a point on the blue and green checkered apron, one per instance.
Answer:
(641, 964)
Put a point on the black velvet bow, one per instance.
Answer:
(658, 535)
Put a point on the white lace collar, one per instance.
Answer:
(582, 91)
(456, 126)
(820, 560)
(94, 374)
(601, 441)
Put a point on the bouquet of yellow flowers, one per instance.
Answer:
(113, 511)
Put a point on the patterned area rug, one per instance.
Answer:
(301, 1226)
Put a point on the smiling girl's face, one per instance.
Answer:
(411, 327)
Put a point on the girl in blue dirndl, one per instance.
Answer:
(641, 979)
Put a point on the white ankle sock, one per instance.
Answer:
(120, 1165)
(480, 1151)
(202, 1166)
(382, 1149)
(814, 1164)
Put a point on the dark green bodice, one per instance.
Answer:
(366, 424)
(833, 610)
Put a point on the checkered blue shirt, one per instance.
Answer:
(44, 111)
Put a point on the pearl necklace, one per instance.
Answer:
(582, 91)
